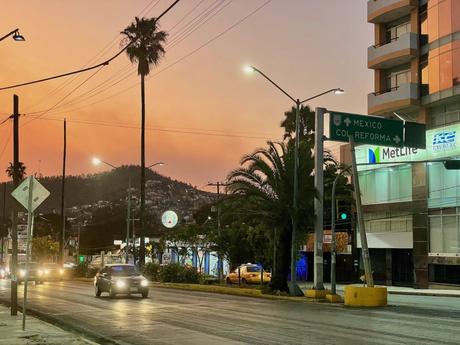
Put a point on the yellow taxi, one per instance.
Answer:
(248, 274)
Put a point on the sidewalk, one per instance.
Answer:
(37, 332)
(398, 290)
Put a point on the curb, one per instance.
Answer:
(72, 328)
(431, 294)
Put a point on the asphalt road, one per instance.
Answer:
(181, 317)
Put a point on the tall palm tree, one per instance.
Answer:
(145, 47)
(265, 180)
(21, 170)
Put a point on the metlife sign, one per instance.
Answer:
(440, 143)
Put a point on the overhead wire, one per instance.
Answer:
(240, 21)
(102, 64)
(126, 72)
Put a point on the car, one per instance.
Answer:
(4, 272)
(120, 279)
(53, 271)
(248, 274)
(35, 273)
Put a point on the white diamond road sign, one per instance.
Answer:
(39, 193)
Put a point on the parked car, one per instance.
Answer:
(4, 272)
(34, 274)
(249, 274)
(53, 271)
(120, 279)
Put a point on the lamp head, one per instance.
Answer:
(96, 161)
(339, 91)
(248, 69)
(18, 37)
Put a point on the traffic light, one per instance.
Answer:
(343, 208)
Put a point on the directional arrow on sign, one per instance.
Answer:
(396, 139)
(347, 122)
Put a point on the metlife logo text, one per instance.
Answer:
(444, 141)
(382, 154)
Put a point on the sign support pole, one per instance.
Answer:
(30, 222)
(362, 229)
(319, 205)
(127, 222)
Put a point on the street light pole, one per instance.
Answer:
(16, 35)
(127, 221)
(319, 129)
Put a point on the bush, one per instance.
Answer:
(152, 271)
(176, 273)
(84, 270)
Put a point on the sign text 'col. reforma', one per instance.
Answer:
(366, 129)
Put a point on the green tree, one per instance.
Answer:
(306, 123)
(265, 179)
(145, 47)
(21, 170)
(44, 249)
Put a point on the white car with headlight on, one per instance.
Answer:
(120, 279)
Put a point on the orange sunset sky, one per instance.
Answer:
(203, 113)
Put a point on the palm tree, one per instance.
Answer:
(21, 171)
(307, 123)
(265, 180)
(144, 47)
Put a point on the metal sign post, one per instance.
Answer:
(30, 194)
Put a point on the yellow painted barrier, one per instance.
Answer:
(316, 294)
(363, 296)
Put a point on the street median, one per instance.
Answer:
(228, 290)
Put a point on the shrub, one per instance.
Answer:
(84, 270)
(152, 271)
(176, 273)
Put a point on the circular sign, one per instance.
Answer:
(169, 219)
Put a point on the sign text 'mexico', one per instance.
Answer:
(366, 129)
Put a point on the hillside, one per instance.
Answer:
(162, 193)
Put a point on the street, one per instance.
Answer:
(183, 317)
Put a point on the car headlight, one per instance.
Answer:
(40, 272)
(46, 271)
(61, 271)
(120, 284)
(144, 283)
(22, 273)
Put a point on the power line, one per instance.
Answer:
(102, 64)
(172, 64)
(159, 129)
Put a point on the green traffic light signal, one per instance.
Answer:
(343, 216)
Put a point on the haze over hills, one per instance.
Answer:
(162, 193)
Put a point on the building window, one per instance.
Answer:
(386, 185)
(445, 230)
(444, 115)
(393, 33)
(397, 76)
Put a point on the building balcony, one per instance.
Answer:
(384, 11)
(405, 96)
(397, 52)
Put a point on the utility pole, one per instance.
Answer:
(319, 200)
(14, 226)
(4, 220)
(127, 221)
(62, 237)
(362, 229)
(219, 255)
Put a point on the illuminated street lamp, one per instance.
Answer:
(293, 288)
(16, 36)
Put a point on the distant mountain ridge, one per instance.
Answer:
(161, 192)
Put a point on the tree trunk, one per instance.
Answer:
(283, 261)
(142, 210)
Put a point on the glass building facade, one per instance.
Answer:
(412, 210)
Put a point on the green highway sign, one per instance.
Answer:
(366, 129)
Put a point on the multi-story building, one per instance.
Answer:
(412, 210)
